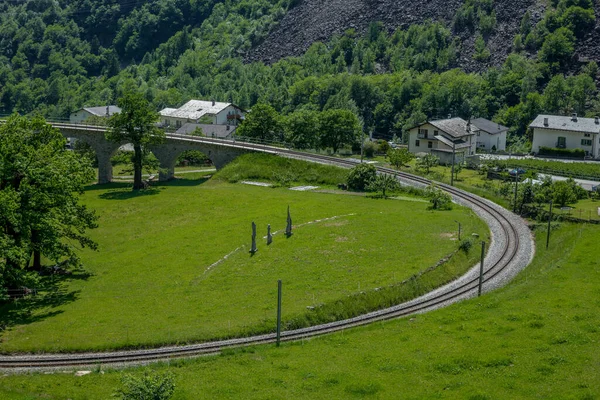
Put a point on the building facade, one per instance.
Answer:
(490, 136)
(562, 132)
(83, 114)
(202, 112)
(443, 138)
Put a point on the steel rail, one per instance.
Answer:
(423, 303)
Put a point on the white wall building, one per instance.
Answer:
(84, 113)
(490, 136)
(200, 111)
(441, 136)
(567, 133)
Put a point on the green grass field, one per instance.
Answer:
(157, 279)
(535, 339)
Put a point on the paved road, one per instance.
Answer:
(509, 157)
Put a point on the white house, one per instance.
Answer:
(564, 132)
(490, 136)
(200, 111)
(84, 113)
(442, 138)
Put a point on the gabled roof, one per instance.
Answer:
(564, 123)
(488, 126)
(458, 144)
(455, 127)
(196, 109)
(101, 111)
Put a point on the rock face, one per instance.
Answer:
(319, 20)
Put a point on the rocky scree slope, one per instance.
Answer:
(319, 20)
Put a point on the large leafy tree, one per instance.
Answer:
(263, 123)
(302, 129)
(338, 128)
(135, 124)
(40, 183)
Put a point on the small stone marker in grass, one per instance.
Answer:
(269, 235)
(288, 228)
(253, 249)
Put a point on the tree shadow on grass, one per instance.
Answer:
(126, 194)
(182, 182)
(50, 294)
(123, 190)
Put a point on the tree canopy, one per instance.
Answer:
(40, 183)
(136, 123)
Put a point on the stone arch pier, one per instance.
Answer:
(166, 153)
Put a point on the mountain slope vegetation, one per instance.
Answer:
(391, 63)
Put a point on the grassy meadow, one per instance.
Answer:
(173, 264)
(537, 338)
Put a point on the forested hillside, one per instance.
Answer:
(392, 63)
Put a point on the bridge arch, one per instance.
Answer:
(168, 152)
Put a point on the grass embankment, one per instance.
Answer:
(535, 339)
(284, 171)
(161, 276)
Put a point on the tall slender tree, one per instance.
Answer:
(135, 124)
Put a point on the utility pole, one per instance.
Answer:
(278, 312)
(481, 268)
(453, 160)
(549, 226)
(516, 187)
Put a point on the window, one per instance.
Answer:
(586, 142)
(587, 134)
(423, 133)
(562, 142)
(478, 133)
(417, 143)
(435, 133)
(429, 145)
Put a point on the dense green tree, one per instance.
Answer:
(302, 129)
(361, 176)
(338, 128)
(399, 156)
(135, 124)
(263, 123)
(40, 214)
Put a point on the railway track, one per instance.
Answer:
(510, 251)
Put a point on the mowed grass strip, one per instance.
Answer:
(535, 339)
(151, 284)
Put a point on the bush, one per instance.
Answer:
(149, 386)
(361, 177)
(571, 153)
(369, 149)
(439, 199)
(466, 245)
(191, 157)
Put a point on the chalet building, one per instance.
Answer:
(490, 136)
(564, 132)
(442, 138)
(83, 114)
(208, 130)
(202, 112)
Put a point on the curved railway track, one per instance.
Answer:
(507, 254)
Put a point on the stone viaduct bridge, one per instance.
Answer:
(219, 151)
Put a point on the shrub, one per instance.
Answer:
(439, 199)
(361, 177)
(466, 245)
(369, 149)
(571, 153)
(149, 386)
